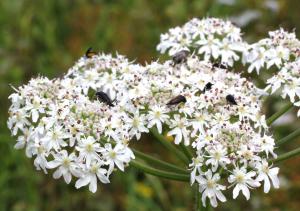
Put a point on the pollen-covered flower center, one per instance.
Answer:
(66, 162)
(94, 169)
(112, 154)
(40, 149)
(211, 183)
(19, 116)
(200, 118)
(260, 55)
(55, 136)
(136, 122)
(197, 160)
(157, 114)
(248, 154)
(89, 148)
(240, 177)
(265, 169)
(217, 155)
(181, 124)
(36, 104)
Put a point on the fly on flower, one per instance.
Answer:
(231, 100)
(176, 100)
(103, 97)
(219, 65)
(207, 87)
(90, 53)
(180, 57)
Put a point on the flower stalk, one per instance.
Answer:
(287, 155)
(159, 163)
(160, 173)
(186, 151)
(289, 137)
(279, 113)
(169, 146)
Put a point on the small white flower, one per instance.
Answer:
(66, 164)
(157, 116)
(195, 166)
(266, 173)
(179, 129)
(119, 155)
(90, 175)
(54, 138)
(137, 124)
(257, 58)
(88, 149)
(217, 155)
(242, 180)
(209, 188)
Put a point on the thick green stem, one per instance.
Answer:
(279, 113)
(287, 155)
(197, 198)
(186, 151)
(160, 173)
(156, 161)
(169, 146)
(289, 137)
(198, 202)
(159, 163)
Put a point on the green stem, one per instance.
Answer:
(156, 161)
(159, 163)
(160, 173)
(169, 146)
(287, 155)
(279, 113)
(198, 201)
(289, 137)
(186, 151)
(197, 198)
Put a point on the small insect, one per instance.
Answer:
(103, 97)
(90, 53)
(219, 65)
(230, 99)
(180, 57)
(207, 87)
(177, 100)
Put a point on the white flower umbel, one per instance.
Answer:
(212, 37)
(82, 124)
(281, 52)
(276, 50)
(221, 42)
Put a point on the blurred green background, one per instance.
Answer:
(47, 37)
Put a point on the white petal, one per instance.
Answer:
(220, 196)
(236, 191)
(93, 184)
(245, 191)
(35, 115)
(67, 177)
(57, 174)
(267, 185)
(82, 181)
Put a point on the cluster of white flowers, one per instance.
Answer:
(64, 124)
(282, 51)
(281, 47)
(64, 128)
(221, 41)
(216, 39)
